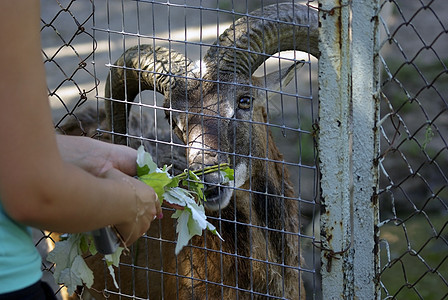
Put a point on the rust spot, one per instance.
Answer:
(376, 238)
(339, 30)
(323, 208)
(374, 198)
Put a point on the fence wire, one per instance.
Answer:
(414, 154)
(413, 162)
(82, 41)
(67, 50)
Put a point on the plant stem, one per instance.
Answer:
(203, 171)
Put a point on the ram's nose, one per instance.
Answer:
(198, 157)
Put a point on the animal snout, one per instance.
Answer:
(216, 191)
(214, 179)
(198, 157)
(216, 188)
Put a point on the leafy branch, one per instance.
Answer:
(191, 220)
(68, 254)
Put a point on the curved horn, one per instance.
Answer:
(140, 68)
(244, 46)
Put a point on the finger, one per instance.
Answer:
(124, 159)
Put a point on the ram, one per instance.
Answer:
(218, 111)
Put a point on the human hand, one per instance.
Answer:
(97, 157)
(143, 203)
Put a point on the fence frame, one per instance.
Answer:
(348, 148)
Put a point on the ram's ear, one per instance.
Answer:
(281, 78)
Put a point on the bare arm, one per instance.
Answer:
(37, 186)
(97, 157)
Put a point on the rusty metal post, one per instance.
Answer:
(348, 147)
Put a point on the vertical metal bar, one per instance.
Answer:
(365, 87)
(334, 146)
(348, 146)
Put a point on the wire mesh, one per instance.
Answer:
(266, 227)
(67, 49)
(413, 161)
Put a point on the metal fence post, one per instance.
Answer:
(348, 146)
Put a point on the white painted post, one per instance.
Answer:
(348, 147)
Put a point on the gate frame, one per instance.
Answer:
(348, 148)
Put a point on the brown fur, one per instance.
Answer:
(212, 268)
(260, 255)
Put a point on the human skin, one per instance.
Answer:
(58, 183)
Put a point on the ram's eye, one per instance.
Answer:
(245, 102)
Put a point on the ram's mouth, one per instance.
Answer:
(217, 196)
(218, 191)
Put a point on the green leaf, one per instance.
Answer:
(92, 248)
(143, 170)
(158, 181)
(228, 173)
(213, 230)
(191, 220)
(70, 280)
(194, 227)
(114, 258)
(198, 215)
(71, 269)
(145, 164)
(183, 235)
(174, 183)
(194, 184)
(63, 254)
(178, 196)
(84, 244)
(78, 274)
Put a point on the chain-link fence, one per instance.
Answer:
(268, 225)
(413, 193)
(67, 49)
(82, 41)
